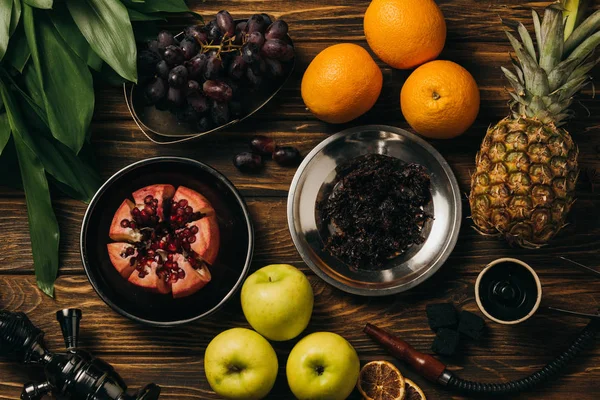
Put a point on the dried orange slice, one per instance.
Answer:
(413, 392)
(381, 380)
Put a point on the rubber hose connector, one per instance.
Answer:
(553, 368)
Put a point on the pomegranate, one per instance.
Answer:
(166, 240)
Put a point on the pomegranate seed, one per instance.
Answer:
(162, 245)
(172, 247)
(185, 245)
(155, 202)
(149, 210)
(181, 274)
(189, 210)
(148, 199)
(180, 212)
(194, 229)
(125, 223)
(154, 245)
(170, 257)
(135, 212)
(174, 277)
(183, 203)
(186, 232)
(130, 251)
(132, 225)
(143, 215)
(142, 274)
(172, 218)
(192, 239)
(192, 261)
(150, 253)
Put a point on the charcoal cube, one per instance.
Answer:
(446, 342)
(441, 315)
(471, 325)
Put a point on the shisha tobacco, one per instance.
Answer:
(75, 374)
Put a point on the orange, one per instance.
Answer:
(341, 83)
(405, 33)
(440, 100)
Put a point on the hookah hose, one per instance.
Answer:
(435, 371)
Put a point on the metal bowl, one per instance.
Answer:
(314, 179)
(228, 271)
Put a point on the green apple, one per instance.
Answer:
(322, 366)
(277, 301)
(240, 364)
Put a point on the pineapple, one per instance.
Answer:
(524, 183)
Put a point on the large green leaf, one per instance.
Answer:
(64, 79)
(4, 131)
(106, 26)
(158, 5)
(6, 7)
(64, 24)
(15, 16)
(46, 4)
(18, 50)
(43, 227)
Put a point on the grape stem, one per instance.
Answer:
(226, 46)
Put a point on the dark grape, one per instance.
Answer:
(233, 84)
(189, 48)
(198, 102)
(225, 23)
(250, 53)
(256, 23)
(274, 67)
(196, 65)
(263, 145)
(277, 30)
(153, 46)
(173, 55)
(254, 79)
(287, 156)
(147, 63)
(178, 76)
(257, 38)
(235, 109)
(220, 113)
(192, 87)
(248, 162)
(162, 69)
(214, 33)
(165, 39)
(175, 96)
(187, 115)
(217, 90)
(259, 67)
(275, 49)
(213, 68)
(197, 33)
(237, 68)
(267, 19)
(155, 90)
(204, 124)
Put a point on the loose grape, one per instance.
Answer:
(196, 65)
(220, 113)
(155, 90)
(287, 156)
(237, 68)
(277, 30)
(274, 67)
(175, 96)
(162, 69)
(189, 48)
(192, 87)
(276, 49)
(213, 68)
(263, 145)
(256, 23)
(257, 38)
(248, 162)
(198, 102)
(225, 23)
(217, 90)
(178, 76)
(165, 38)
(197, 33)
(173, 55)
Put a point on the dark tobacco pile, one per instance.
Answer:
(376, 209)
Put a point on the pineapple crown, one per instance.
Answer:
(547, 77)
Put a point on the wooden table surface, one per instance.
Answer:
(174, 358)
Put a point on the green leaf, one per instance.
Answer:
(6, 7)
(46, 4)
(158, 5)
(64, 80)
(43, 227)
(15, 16)
(106, 26)
(18, 52)
(68, 30)
(138, 16)
(4, 131)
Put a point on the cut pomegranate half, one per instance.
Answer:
(121, 256)
(176, 234)
(193, 279)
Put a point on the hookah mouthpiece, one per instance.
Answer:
(21, 340)
(69, 320)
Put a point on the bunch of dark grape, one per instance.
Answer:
(262, 147)
(202, 77)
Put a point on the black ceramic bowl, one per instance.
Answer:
(228, 271)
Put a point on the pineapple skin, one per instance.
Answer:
(524, 183)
